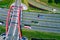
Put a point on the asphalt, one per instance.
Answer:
(46, 22)
(45, 29)
(42, 23)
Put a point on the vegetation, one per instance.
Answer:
(57, 1)
(35, 34)
(6, 3)
(50, 1)
(25, 2)
(54, 3)
(2, 29)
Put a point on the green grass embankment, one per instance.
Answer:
(6, 3)
(25, 2)
(2, 29)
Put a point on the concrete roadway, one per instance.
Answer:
(48, 26)
(52, 21)
(45, 29)
(36, 4)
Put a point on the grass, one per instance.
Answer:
(6, 3)
(55, 5)
(2, 29)
(25, 2)
(45, 1)
(35, 34)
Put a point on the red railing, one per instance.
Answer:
(19, 23)
(7, 19)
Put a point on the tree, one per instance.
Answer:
(57, 1)
(50, 1)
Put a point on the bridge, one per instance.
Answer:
(13, 29)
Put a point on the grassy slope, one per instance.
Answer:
(25, 2)
(2, 29)
(35, 34)
(6, 3)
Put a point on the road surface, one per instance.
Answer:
(46, 22)
(1, 38)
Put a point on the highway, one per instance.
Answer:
(45, 29)
(42, 25)
(46, 22)
(36, 4)
(54, 23)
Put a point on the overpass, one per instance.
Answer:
(38, 5)
(13, 28)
